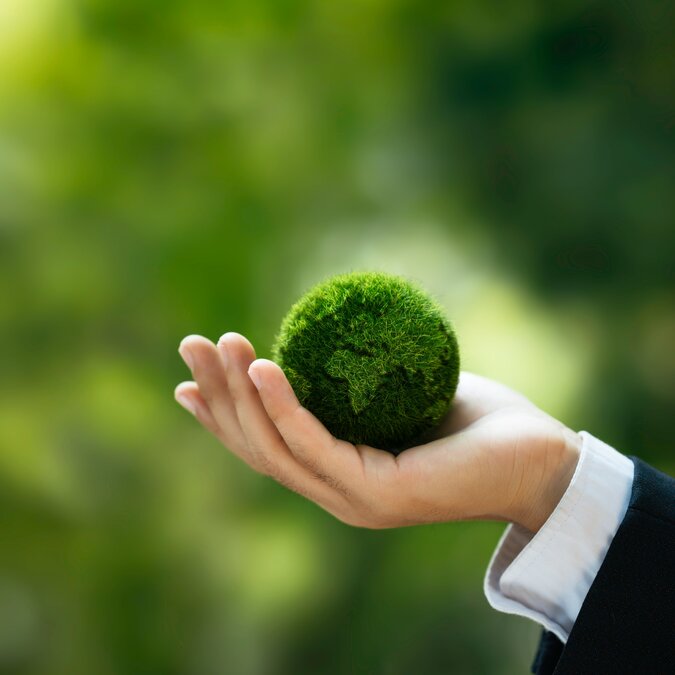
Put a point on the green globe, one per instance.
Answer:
(372, 356)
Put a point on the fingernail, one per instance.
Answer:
(187, 403)
(187, 356)
(255, 376)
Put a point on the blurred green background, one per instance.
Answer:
(171, 167)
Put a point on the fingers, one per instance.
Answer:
(202, 357)
(336, 462)
(295, 448)
(266, 447)
(187, 394)
(376, 487)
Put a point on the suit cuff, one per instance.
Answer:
(545, 576)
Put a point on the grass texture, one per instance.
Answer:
(373, 356)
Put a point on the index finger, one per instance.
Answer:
(335, 461)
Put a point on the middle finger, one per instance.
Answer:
(265, 442)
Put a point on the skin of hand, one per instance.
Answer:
(495, 456)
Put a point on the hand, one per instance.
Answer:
(495, 456)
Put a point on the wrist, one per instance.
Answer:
(549, 475)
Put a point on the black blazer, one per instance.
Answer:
(626, 624)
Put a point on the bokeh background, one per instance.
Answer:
(182, 167)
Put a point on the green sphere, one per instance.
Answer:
(372, 356)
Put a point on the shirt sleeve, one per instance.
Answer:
(545, 576)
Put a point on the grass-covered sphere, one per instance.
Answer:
(372, 356)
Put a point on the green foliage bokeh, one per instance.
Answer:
(190, 167)
(372, 356)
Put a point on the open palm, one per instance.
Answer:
(495, 455)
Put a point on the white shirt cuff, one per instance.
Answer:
(545, 576)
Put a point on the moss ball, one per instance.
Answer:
(372, 356)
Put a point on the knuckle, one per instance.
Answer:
(277, 415)
(302, 420)
(283, 419)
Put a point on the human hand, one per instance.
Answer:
(495, 456)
